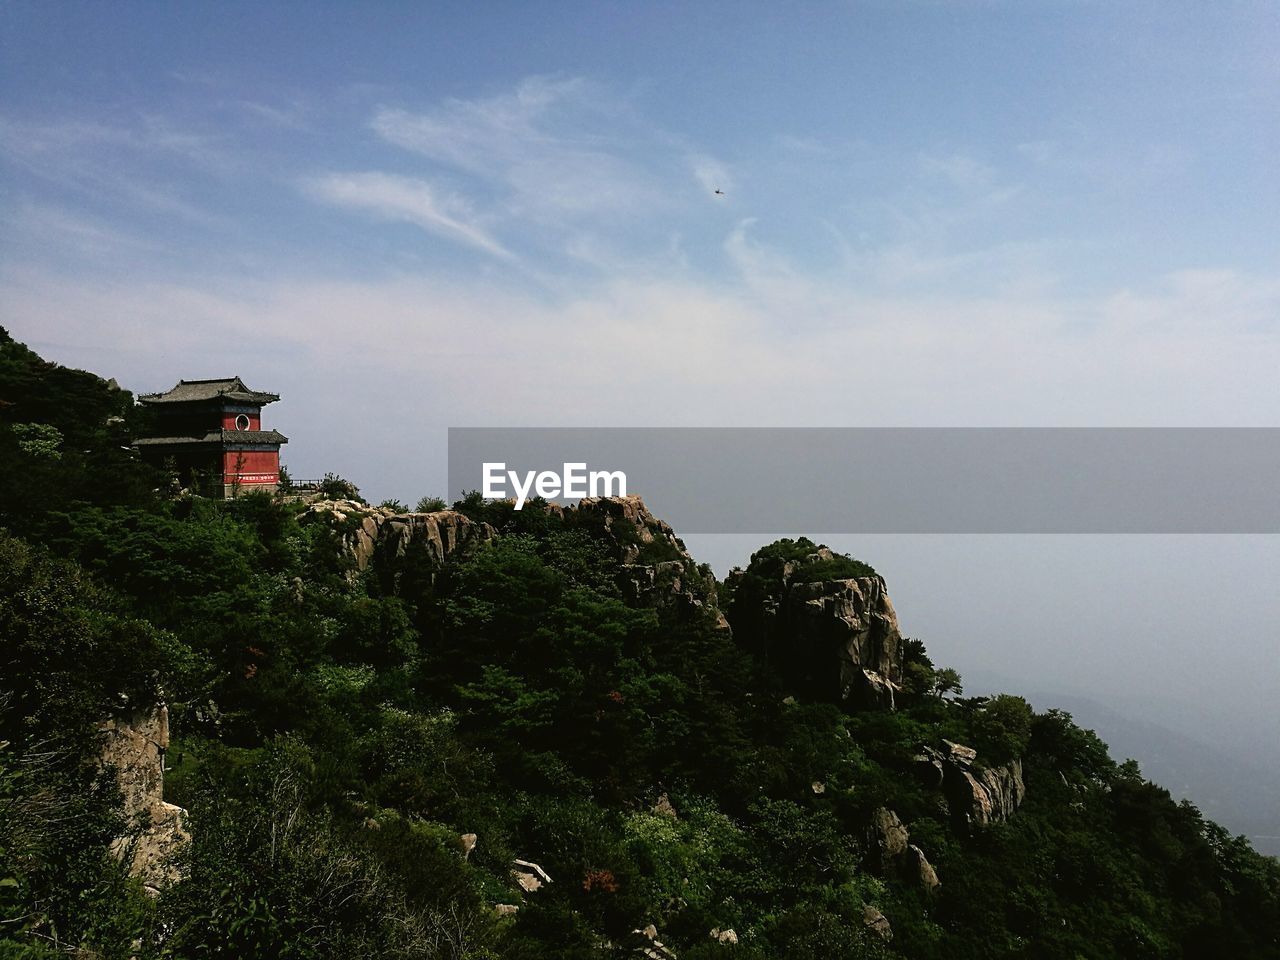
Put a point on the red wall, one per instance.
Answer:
(229, 420)
(255, 466)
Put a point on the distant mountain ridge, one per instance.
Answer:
(1227, 787)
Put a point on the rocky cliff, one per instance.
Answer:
(365, 534)
(656, 569)
(976, 794)
(135, 746)
(834, 639)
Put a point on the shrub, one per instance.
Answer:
(335, 488)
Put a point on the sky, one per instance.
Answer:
(406, 217)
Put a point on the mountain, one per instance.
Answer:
(312, 727)
(1228, 788)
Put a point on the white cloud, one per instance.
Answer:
(407, 200)
(642, 351)
(61, 229)
(98, 159)
(553, 151)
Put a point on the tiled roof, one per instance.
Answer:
(217, 436)
(189, 391)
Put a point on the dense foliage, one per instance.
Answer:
(334, 735)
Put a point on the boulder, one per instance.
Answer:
(888, 839)
(656, 569)
(891, 852)
(529, 876)
(919, 871)
(877, 922)
(648, 945)
(468, 843)
(663, 808)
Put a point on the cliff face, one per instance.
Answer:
(656, 569)
(364, 533)
(976, 795)
(890, 852)
(136, 746)
(836, 639)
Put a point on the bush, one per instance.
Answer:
(840, 566)
(1002, 728)
(335, 488)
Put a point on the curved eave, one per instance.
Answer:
(218, 438)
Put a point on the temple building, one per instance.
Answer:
(209, 432)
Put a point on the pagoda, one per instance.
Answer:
(210, 433)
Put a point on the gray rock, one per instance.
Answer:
(835, 640)
(663, 808)
(529, 876)
(674, 583)
(135, 747)
(369, 536)
(919, 870)
(468, 843)
(977, 795)
(888, 839)
(877, 922)
(891, 852)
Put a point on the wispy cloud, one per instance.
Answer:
(550, 150)
(407, 200)
(63, 230)
(100, 159)
(837, 356)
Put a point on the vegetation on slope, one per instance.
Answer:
(333, 738)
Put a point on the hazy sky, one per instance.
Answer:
(933, 213)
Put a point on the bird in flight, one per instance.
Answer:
(719, 193)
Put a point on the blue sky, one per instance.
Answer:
(403, 217)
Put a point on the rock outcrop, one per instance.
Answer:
(529, 876)
(891, 852)
(135, 747)
(836, 640)
(877, 922)
(976, 794)
(888, 839)
(919, 870)
(656, 569)
(367, 535)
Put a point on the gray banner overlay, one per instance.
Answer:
(912, 480)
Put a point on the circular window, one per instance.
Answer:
(242, 422)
